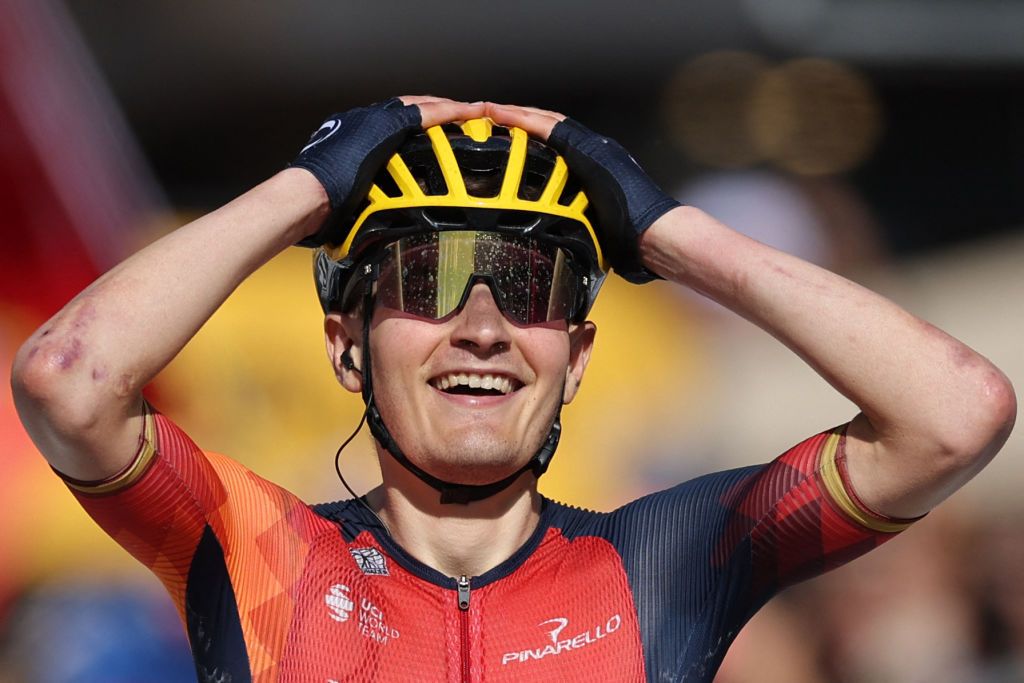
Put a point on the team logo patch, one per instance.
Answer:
(339, 602)
(370, 560)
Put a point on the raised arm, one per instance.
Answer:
(77, 381)
(933, 411)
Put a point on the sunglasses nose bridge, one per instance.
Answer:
(480, 321)
(492, 287)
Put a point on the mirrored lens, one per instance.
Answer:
(429, 275)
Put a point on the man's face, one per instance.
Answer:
(471, 399)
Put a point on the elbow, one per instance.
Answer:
(48, 386)
(32, 374)
(43, 367)
(983, 424)
(1002, 402)
(37, 376)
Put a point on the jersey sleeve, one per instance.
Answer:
(229, 546)
(703, 556)
(778, 523)
(172, 495)
(798, 517)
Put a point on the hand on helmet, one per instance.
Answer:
(625, 199)
(348, 149)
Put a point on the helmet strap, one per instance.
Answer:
(450, 492)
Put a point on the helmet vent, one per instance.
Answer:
(482, 171)
(387, 183)
(445, 215)
(536, 172)
(521, 220)
(426, 169)
(569, 192)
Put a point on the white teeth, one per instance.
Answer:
(496, 382)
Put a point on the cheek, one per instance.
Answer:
(547, 352)
(397, 342)
(397, 354)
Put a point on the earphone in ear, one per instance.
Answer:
(346, 360)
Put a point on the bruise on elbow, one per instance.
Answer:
(68, 345)
(69, 353)
(56, 351)
(964, 357)
(961, 356)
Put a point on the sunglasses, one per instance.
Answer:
(430, 275)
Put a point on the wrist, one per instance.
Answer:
(307, 200)
(662, 238)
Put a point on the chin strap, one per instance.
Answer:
(451, 492)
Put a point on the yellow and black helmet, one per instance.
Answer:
(476, 176)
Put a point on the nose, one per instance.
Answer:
(480, 325)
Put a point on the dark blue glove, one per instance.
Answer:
(625, 199)
(346, 152)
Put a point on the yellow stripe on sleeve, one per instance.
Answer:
(837, 491)
(133, 471)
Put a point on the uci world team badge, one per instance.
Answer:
(370, 560)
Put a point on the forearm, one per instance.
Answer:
(137, 317)
(78, 379)
(857, 340)
(933, 408)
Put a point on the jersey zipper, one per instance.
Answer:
(463, 587)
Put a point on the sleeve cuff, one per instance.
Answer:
(832, 467)
(131, 473)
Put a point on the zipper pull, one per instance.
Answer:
(463, 586)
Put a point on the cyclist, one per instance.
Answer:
(456, 264)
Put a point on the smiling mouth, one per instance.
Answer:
(471, 384)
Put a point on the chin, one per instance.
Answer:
(478, 461)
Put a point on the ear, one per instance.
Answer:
(581, 343)
(342, 335)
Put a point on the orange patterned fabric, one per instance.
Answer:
(265, 534)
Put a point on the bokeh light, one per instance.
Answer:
(807, 116)
(707, 108)
(814, 117)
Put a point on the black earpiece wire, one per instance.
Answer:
(337, 468)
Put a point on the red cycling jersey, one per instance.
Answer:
(272, 589)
